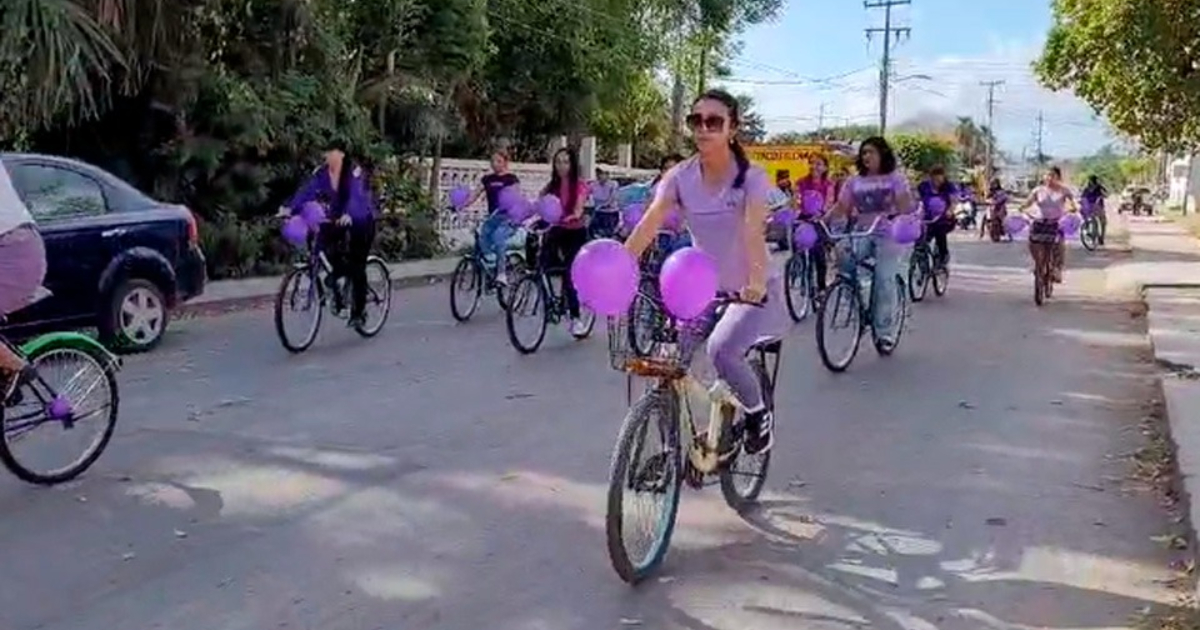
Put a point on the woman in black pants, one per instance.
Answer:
(565, 239)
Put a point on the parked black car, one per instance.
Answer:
(117, 259)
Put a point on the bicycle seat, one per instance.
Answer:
(770, 344)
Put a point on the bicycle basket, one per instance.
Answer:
(668, 358)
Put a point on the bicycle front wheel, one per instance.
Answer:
(940, 279)
(528, 314)
(298, 295)
(799, 288)
(73, 400)
(1089, 235)
(647, 462)
(743, 480)
(918, 276)
(839, 325)
(379, 298)
(466, 288)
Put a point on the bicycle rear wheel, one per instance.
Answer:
(466, 288)
(840, 314)
(918, 276)
(528, 314)
(886, 342)
(941, 279)
(75, 392)
(299, 292)
(654, 415)
(379, 298)
(798, 289)
(743, 479)
(515, 268)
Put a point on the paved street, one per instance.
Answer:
(433, 478)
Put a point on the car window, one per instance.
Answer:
(53, 193)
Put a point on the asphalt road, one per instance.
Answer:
(433, 478)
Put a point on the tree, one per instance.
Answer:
(752, 129)
(919, 153)
(1135, 62)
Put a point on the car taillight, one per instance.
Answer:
(193, 230)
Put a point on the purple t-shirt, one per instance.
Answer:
(716, 216)
(1051, 203)
(872, 195)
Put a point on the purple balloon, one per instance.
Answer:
(313, 213)
(550, 209)
(295, 231)
(688, 282)
(605, 275)
(935, 207)
(1069, 225)
(459, 196)
(812, 203)
(514, 204)
(632, 215)
(785, 217)
(1014, 224)
(805, 237)
(905, 229)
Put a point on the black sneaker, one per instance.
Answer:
(357, 321)
(760, 432)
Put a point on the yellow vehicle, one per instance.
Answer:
(795, 160)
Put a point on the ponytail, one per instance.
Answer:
(743, 163)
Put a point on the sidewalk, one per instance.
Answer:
(1166, 270)
(227, 293)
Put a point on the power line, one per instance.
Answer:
(885, 67)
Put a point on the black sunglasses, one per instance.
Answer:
(697, 122)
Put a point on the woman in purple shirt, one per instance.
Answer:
(878, 190)
(343, 187)
(724, 200)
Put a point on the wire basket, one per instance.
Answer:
(671, 353)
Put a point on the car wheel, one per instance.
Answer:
(135, 317)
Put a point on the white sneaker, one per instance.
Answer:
(578, 327)
(502, 278)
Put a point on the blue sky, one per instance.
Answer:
(955, 43)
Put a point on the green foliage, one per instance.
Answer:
(918, 153)
(1134, 61)
(1116, 171)
(753, 129)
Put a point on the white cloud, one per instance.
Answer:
(952, 88)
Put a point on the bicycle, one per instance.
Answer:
(1091, 232)
(666, 405)
(477, 270)
(647, 314)
(845, 297)
(1045, 241)
(40, 402)
(800, 278)
(316, 269)
(926, 265)
(534, 289)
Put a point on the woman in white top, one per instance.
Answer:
(22, 269)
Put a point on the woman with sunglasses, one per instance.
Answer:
(724, 200)
(878, 190)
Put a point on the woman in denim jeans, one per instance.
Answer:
(878, 190)
(496, 229)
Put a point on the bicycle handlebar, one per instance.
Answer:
(849, 233)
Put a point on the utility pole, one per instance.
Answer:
(1041, 130)
(821, 123)
(990, 167)
(885, 66)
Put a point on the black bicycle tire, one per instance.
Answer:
(533, 279)
(280, 296)
(918, 264)
(638, 414)
(646, 295)
(467, 263)
(830, 295)
(367, 333)
(23, 473)
(940, 286)
(790, 276)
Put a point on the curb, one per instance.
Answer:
(251, 302)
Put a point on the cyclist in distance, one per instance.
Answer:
(1095, 193)
(818, 180)
(879, 189)
(1052, 199)
(607, 216)
(937, 186)
(564, 240)
(341, 183)
(496, 228)
(22, 269)
(724, 199)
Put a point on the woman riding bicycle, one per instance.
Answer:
(879, 190)
(1052, 199)
(818, 180)
(724, 199)
(22, 270)
(997, 199)
(1095, 193)
(936, 186)
(342, 184)
(564, 240)
(496, 228)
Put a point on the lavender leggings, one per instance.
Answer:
(735, 333)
